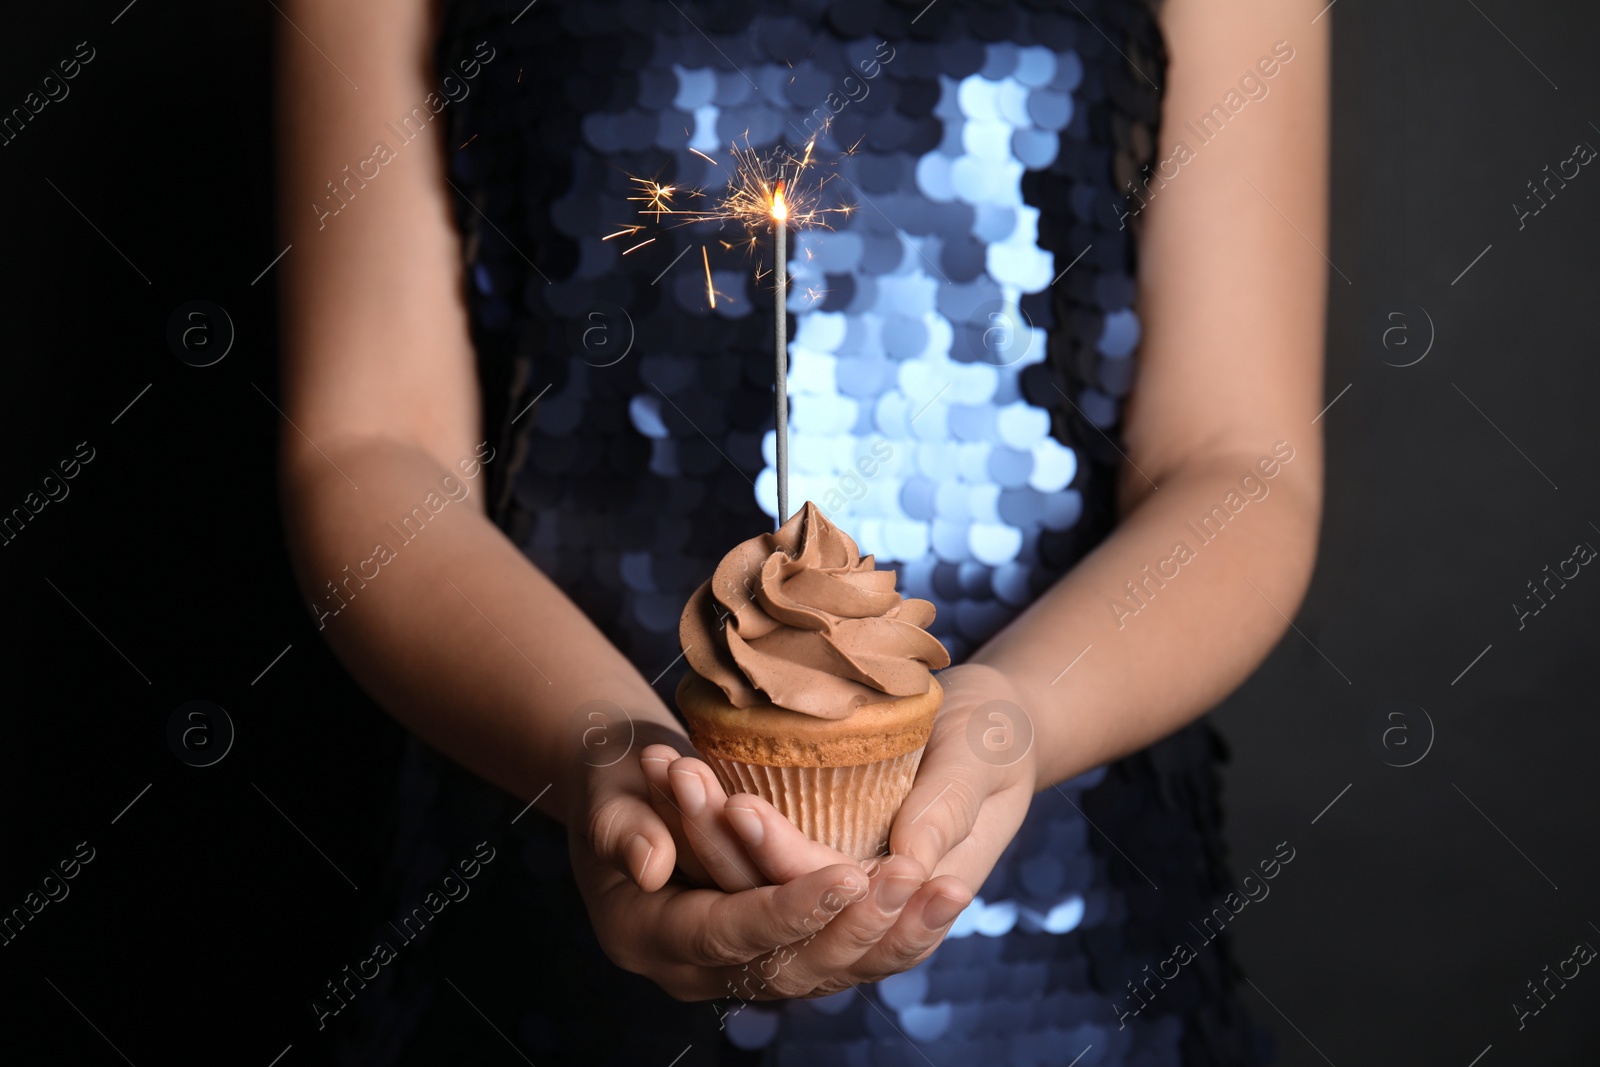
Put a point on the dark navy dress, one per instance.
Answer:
(962, 339)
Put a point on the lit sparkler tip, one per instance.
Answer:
(780, 207)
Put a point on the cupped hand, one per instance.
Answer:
(974, 784)
(976, 779)
(900, 921)
(692, 942)
(809, 921)
(741, 842)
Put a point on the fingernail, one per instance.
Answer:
(747, 824)
(941, 911)
(691, 791)
(638, 851)
(894, 891)
(653, 759)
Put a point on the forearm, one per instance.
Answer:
(444, 622)
(1232, 293)
(1199, 619)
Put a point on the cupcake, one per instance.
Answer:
(811, 681)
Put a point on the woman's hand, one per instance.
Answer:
(896, 926)
(808, 921)
(742, 842)
(699, 944)
(691, 942)
(976, 779)
(722, 846)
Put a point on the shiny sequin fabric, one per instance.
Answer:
(963, 335)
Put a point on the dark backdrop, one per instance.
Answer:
(1428, 760)
(1422, 901)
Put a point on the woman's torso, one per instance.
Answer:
(962, 340)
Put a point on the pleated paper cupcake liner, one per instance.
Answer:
(848, 808)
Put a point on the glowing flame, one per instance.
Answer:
(780, 208)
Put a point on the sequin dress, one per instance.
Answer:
(963, 336)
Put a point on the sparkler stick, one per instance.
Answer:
(752, 200)
(780, 268)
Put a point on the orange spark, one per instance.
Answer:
(783, 186)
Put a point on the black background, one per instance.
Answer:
(1418, 904)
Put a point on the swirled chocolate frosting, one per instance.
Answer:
(798, 618)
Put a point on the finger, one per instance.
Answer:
(777, 847)
(708, 928)
(700, 801)
(973, 859)
(617, 906)
(921, 927)
(852, 933)
(654, 761)
(622, 829)
(942, 806)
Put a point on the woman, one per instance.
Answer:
(1104, 557)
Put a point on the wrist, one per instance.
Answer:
(995, 715)
(987, 679)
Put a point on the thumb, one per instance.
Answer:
(942, 806)
(622, 829)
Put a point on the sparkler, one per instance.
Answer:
(780, 267)
(759, 203)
